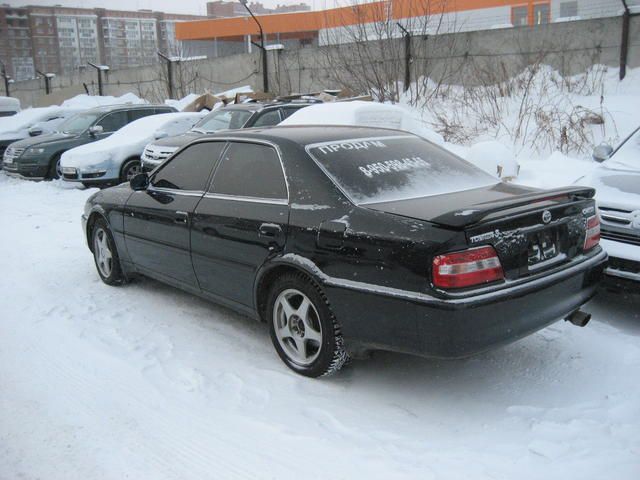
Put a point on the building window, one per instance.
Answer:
(568, 9)
(541, 13)
(520, 16)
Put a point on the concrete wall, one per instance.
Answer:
(460, 58)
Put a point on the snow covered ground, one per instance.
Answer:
(146, 382)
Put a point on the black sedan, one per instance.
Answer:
(346, 240)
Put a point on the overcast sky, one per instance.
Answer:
(195, 7)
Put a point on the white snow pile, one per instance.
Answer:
(495, 158)
(367, 114)
(130, 140)
(90, 101)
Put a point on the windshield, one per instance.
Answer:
(223, 119)
(78, 123)
(383, 169)
(627, 154)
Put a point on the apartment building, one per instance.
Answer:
(63, 39)
(222, 9)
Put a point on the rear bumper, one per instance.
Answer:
(454, 328)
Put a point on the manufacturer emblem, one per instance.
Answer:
(546, 216)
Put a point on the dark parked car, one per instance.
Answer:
(38, 158)
(348, 239)
(231, 117)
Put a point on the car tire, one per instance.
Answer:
(304, 330)
(105, 254)
(55, 170)
(130, 168)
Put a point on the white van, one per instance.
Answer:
(9, 106)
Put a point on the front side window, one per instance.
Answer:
(250, 170)
(223, 120)
(113, 121)
(140, 113)
(190, 168)
(384, 169)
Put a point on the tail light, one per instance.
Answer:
(475, 266)
(592, 237)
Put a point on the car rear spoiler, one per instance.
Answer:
(479, 211)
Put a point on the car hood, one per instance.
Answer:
(615, 188)
(177, 140)
(40, 139)
(8, 137)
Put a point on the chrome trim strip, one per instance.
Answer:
(471, 297)
(220, 196)
(186, 193)
(622, 274)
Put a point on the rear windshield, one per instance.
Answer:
(384, 169)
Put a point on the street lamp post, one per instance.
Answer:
(7, 80)
(263, 52)
(47, 80)
(100, 69)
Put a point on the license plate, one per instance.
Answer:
(543, 246)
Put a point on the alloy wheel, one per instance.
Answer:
(102, 252)
(297, 326)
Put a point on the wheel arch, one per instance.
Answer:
(95, 214)
(127, 160)
(272, 270)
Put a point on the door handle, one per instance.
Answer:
(181, 217)
(270, 230)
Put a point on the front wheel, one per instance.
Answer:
(304, 331)
(55, 169)
(105, 254)
(130, 169)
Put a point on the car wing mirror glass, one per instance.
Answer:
(95, 130)
(35, 131)
(602, 152)
(140, 181)
(160, 134)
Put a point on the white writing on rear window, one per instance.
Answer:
(364, 145)
(388, 166)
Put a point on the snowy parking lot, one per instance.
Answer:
(146, 382)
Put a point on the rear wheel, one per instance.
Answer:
(130, 169)
(105, 254)
(304, 331)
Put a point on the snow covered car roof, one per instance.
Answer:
(366, 114)
(139, 132)
(26, 118)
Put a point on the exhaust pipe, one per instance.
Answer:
(578, 318)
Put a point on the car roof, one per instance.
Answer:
(309, 134)
(256, 106)
(128, 106)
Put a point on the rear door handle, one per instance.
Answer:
(181, 217)
(269, 230)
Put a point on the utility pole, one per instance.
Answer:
(407, 57)
(624, 43)
(100, 69)
(169, 72)
(263, 52)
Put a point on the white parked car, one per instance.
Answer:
(116, 159)
(365, 114)
(617, 184)
(32, 122)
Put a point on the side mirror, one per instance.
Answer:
(160, 134)
(95, 130)
(139, 181)
(602, 152)
(35, 131)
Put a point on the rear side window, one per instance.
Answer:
(250, 170)
(288, 111)
(140, 113)
(163, 110)
(383, 169)
(189, 169)
(268, 119)
(113, 121)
